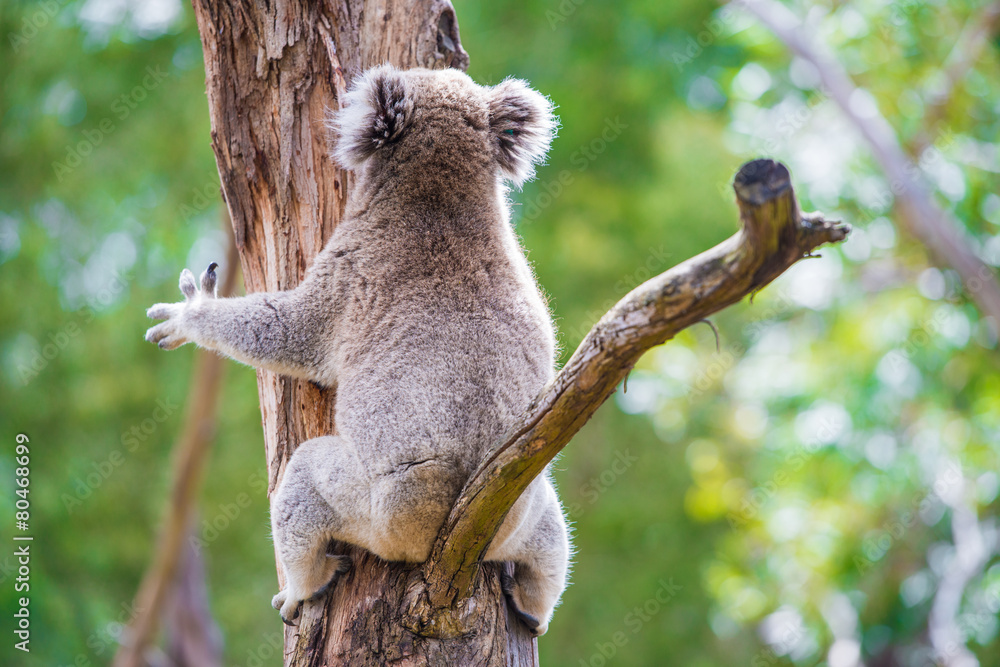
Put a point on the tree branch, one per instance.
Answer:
(774, 235)
(973, 550)
(920, 214)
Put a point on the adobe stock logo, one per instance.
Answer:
(32, 23)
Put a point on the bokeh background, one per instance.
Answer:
(788, 497)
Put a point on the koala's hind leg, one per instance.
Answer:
(324, 496)
(538, 545)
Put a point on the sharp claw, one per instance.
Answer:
(294, 617)
(530, 621)
(209, 280)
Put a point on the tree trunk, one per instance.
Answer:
(273, 73)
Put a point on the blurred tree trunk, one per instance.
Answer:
(192, 637)
(172, 580)
(273, 72)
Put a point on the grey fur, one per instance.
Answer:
(422, 309)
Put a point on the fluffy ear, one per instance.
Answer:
(377, 111)
(521, 120)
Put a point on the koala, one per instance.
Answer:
(423, 311)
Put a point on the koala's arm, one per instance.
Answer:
(284, 332)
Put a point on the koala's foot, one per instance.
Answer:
(289, 601)
(287, 607)
(173, 333)
(522, 608)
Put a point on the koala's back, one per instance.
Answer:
(446, 340)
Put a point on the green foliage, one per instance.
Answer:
(787, 493)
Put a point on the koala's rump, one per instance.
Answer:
(409, 505)
(425, 404)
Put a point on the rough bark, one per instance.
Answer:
(273, 72)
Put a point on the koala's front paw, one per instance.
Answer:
(174, 332)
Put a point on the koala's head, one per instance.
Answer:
(441, 120)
